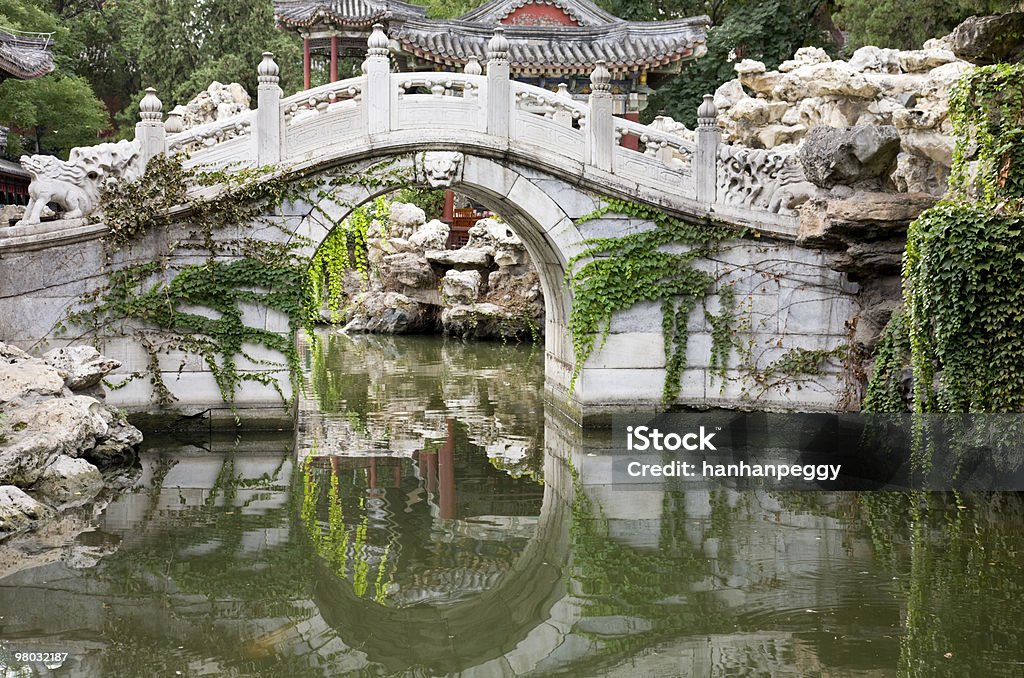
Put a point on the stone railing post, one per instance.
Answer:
(267, 133)
(473, 67)
(563, 116)
(149, 131)
(499, 89)
(377, 96)
(600, 121)
(705, 165)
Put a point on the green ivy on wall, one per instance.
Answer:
(964, 264)
(621, 272)
(200, 307)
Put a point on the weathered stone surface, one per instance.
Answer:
(987, 40)
(406, 269)
(405, 218)
(849, 156)
(18, 511)
(392, 313)
(41, 431)
(69, 480)
(462, 258)
(83, 365)
(430, 236)
(23, 377)
(460, 287)
(859, 218)
(217, 102)
(484, 321)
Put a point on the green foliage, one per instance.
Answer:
(767, 30)
(430, 200)
(907, 25)
(344, 249)
(621, 272)
(54, 113)
(964, 263)
(892, 356)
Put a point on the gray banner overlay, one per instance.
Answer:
(849, 451)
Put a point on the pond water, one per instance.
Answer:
(431, 517)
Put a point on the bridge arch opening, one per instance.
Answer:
(547, 232)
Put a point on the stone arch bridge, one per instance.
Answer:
(539, 158)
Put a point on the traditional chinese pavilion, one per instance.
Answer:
(551, 41)
(24, 55)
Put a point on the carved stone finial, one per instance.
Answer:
(150, 107)
(600, 78)
(563, 91)
(707, 112)
(497, 48)
(175, 120)
(268, 71)
(377, 42)
(473, 66)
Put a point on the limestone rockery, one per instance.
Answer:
(57, 438)
(486, 289)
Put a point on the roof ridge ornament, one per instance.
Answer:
(497, 48)
(377, 42)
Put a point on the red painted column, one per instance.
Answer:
(334, 58)
(449, 207)
(306, 64)
(446, 473)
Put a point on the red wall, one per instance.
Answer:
(539, 15)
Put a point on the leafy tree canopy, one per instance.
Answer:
(906, 25)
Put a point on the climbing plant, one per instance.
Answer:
(964, 262)
(198, 294)
(617, 273)
(892, 355)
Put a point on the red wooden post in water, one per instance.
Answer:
(306, 64)
(334, 58)
(446, 473)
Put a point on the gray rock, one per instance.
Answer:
(69, 480)
(406, 269)
(985, 40)
(41, 431)
(84, 365)
(19, 512)
(24, 378)
(461, 258)
(854, 156)
(485, 321)
(430, 236)
(461, 287)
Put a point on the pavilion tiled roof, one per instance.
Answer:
(351, 13)
(24, 57)
(623, 45)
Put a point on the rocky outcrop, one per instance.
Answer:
(217, 102)
(985, 40)
(875, 88)
(54, 440)
(486, 289)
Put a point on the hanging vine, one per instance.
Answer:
(204, 304)
(621, 272)
(964, 263)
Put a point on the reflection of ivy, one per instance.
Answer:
(618, 273)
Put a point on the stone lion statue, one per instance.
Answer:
(76, 184)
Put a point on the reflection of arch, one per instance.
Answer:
(547, 231)
(474, 631)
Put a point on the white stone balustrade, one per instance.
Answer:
(480, 108)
